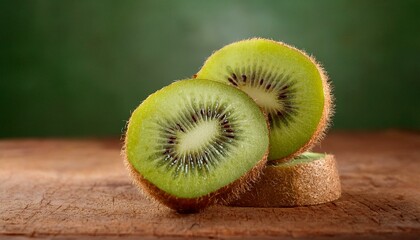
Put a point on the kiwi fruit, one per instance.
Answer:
(195, 143)
(309, 179)
(290, 86)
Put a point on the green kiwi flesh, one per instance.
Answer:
(195, 140)
(301, 159)
(286, 83)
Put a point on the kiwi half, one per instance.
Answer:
(195, 143)
(291, 87)
(309, 179)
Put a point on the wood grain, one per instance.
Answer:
(79, 189)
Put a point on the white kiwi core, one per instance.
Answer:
(199, 136)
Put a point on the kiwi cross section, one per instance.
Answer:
(196, 142)
(286, 83)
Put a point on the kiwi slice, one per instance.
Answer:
(287, 84)
(195, 143)
(309, 179)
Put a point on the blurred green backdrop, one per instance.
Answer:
(77, 68)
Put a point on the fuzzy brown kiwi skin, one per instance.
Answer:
(327, 112)
(222, 196)
(305, 184)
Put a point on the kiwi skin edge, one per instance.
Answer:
(223, 196)
(327, 112)
(302, 184)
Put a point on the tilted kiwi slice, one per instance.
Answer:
(289, 85)
(309, 179)
(194, 141)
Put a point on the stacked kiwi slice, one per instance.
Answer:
(309, 179)
(207, 140)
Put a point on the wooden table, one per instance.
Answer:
(57, 188)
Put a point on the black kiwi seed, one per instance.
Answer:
(234, 76)
(232, 81)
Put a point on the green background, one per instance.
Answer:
(78, 68)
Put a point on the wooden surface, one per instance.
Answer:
(79, 188)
